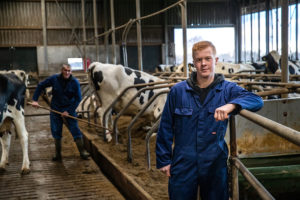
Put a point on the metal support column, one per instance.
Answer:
(267, 27)
(139, 35)
(166, 36)
(184, 36)
(113, 36)
(83, 33)
(106, 46)
(284, 42)
(44, 21)
(297, 27)
(96, 29)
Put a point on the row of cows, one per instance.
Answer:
(108, 81)
(269, 65)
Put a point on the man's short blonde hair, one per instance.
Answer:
(199, 46)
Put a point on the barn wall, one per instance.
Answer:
(57, 55)
(21, 22)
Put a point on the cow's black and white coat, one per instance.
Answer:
(110, 80)
(12, 92)
(273, 64)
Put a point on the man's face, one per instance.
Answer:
(205, 61)
(66, 71)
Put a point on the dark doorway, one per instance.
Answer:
(23, 58)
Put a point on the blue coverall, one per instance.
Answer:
(66, 96)
(200, 152)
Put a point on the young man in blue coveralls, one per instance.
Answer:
(195, 119)
(66, 97)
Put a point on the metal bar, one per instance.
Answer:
(258, 24)
(166, 36)
(251, 30)
(284, 42)
(233, 154)
(106, 46)
(148, 136)
(267, 26)
(113, 36)
(139, 35)
(44, 21)
(261, 190)
(83, 33)
(297, 27)
(184, 36)
(277, 25)
(130, 102)
(96, 29)
(123, 92)
(279, 129)
(137, 116)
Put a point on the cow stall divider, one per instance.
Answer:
(285, 132)
(111, 106)
(115, 130)
(138, 115)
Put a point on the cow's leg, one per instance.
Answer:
(5, 143)
(23, 135)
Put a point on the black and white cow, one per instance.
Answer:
(12, 92)
(110, 80)
(273, 64)
(22, 75)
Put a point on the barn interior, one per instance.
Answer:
(38, 36)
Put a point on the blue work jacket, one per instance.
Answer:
(63, 98)
(198, 139)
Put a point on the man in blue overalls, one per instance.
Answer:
(66, 96)
(195, 119)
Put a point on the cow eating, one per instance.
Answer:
(110, 80)
(12, 92)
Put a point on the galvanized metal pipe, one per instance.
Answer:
(122, 93)
(113, 36)
(130, 103)
(106, 47)
(261, 190)
(44, 21)
(233, 154)
(279, 129)
(137, 116)
(96, 29)
(184, 36)
(83, 33)
(148, 136)
(284, 41)
(139, 35)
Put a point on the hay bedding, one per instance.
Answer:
(152, 181)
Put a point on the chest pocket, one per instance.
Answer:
(183, 111)
(182, 117)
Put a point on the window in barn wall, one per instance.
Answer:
(274, 33)
(225, 48)
(292, 32)
(246, 38)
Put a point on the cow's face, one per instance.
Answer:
(272, 61)
(204, 61)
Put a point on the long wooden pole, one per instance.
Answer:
(69, 116)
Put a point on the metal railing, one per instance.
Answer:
(279, 129)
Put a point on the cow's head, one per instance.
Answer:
(272, 61)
